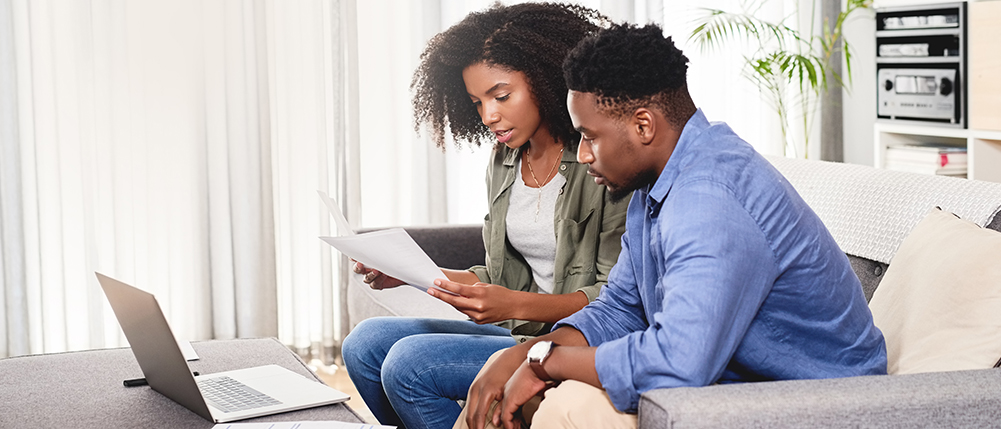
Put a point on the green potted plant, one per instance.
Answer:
(789, 67)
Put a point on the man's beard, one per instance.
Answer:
(640, 179)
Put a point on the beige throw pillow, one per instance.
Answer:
(939, 303)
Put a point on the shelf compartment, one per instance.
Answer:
(985, 159)
(912, 60)
(920, 33)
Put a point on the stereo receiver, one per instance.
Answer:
(917, 94)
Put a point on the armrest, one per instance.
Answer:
(450, 246)
(939, 399)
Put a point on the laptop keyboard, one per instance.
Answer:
(229, 395)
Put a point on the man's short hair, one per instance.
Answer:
(628, 67)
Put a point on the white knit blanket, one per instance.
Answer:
(870, 211)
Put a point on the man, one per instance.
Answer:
(725, 274)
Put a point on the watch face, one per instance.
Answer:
(539, 350)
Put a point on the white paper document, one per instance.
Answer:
(343, 227)
(393, 252)
(300, 425)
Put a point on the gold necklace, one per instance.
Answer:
(528, 160)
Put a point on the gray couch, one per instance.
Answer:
(869, 212)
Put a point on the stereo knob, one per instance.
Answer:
(888, 84)
(946, 86)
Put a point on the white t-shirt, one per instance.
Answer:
(534, 236)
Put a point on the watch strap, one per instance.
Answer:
(537, 365)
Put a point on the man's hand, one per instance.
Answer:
(482, 302)
(493, 381)
(489, 387)
(375, 279)
(520, 388)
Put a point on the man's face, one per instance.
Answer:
(608, 147)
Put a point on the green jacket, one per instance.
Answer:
(589, 228)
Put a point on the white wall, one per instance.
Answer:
(859, 101)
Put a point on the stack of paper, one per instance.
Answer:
(903, 50)
(920, 21)
(942, 160)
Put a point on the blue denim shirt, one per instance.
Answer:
(725, 275)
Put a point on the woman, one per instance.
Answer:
(551, 234)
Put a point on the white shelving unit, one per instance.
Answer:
(983, 147)
(982, 139)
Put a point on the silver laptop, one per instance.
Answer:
(220, 397)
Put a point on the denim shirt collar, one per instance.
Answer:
(657, 192)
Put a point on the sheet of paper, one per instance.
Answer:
(393, 252)
(300, 425)
(343, 227)
(187, 350)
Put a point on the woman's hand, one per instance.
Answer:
(482, 302)
(375, 279)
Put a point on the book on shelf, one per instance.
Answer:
(927, 168)
(940, 156)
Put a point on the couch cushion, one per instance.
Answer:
(938, 302)
(869, 273)
(996, 223)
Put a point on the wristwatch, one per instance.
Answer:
(537, 356)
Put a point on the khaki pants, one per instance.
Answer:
(572, 404)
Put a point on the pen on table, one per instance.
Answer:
(133, 382)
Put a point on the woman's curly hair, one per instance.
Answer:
(532, 38)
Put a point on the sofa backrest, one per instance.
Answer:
(870, 211)
(449, 246)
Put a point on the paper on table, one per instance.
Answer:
(343, 227)
(393, 252)
(187, 350)
(300, 425)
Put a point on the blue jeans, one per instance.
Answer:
(411, 372)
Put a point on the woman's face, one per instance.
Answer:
(504, 100)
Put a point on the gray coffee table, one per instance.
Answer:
(84, 389)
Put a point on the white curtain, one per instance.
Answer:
(178, 146)
(406, 180)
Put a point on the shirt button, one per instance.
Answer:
(563, 167)
(561, 191)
